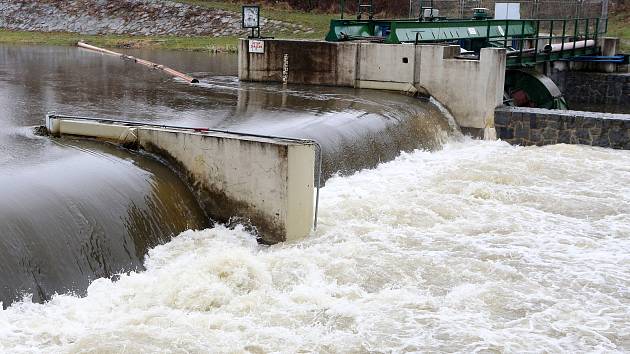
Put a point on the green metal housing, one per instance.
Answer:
(400, 31)
(524, 39)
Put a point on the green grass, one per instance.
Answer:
(619, 26)
(318, 22)
(200, 43)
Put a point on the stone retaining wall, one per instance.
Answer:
(582, 88)
(536, 126)
(135, 17)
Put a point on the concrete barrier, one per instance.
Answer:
(265, 180)
(470, 89)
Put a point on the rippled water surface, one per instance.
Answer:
(480, 246)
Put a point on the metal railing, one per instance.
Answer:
(552, 39)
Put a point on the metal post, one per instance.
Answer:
(596, 32)
(536, 39)
(342, 6)
(575, 36)
(505, 35)
(488, 31)
(520, 54)
(564, 32)
(550, 37)
(585, 35)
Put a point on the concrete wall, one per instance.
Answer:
(268, 182)
(470, 89)
(310, 62)
(536, 126)
(607, 91)
(386, 68)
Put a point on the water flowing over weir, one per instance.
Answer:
(100, 208)
(480, 246)
(474, 246)
(92, 214)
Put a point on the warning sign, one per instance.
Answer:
(256, 46)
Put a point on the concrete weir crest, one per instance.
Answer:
(269, 181)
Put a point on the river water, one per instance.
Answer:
(73, 211)
(471, 246)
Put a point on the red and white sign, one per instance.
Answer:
(256, 46)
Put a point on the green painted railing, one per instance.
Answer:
(528, 41)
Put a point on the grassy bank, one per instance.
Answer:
(201, 43)
(619, 26)
(316, 21)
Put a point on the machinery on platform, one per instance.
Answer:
(528, 42)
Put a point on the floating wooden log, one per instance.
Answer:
(146, 63)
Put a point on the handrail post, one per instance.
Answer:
(550, 38)
(564, 34)
(520, 54)
(585, 34)
(488, 31)
(536, 39)
(575, 36)
(596, 32)
(505, 35)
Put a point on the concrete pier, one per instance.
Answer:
(470, 89)
(264, 180)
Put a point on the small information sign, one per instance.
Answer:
(256, 46)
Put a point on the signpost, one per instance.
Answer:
(251, 19)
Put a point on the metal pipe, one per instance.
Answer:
(146, 63)
(569, 45)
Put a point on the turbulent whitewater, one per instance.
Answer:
(479, 246)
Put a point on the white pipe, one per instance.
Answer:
(556, 47)
(147, 63)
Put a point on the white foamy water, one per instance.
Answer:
(479, 247)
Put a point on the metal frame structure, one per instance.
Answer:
(528, 41)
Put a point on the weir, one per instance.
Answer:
(267, 181)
